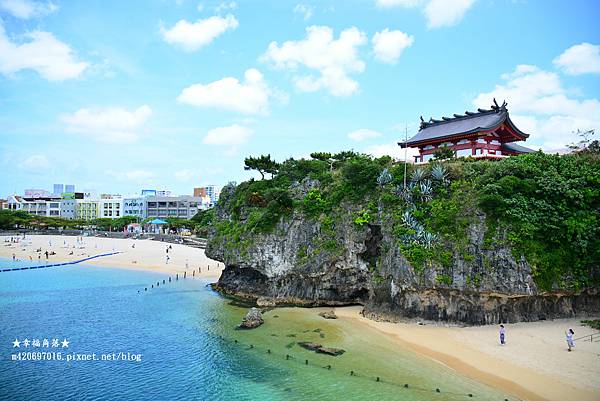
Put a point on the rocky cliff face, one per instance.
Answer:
(306, 261)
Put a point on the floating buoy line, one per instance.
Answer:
(74, 262)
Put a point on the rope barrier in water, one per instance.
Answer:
(354, 374)
(58, 264)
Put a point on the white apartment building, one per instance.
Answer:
(48, 206)
(134, 206)
(110, 206)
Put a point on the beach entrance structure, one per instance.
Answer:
(485, 134)
(156, 225)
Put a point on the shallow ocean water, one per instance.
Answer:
(186, 336)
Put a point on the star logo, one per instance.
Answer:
(16, 343)
(65, 343)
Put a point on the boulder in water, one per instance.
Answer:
(331, 351)
(328, 314)
(252, 320)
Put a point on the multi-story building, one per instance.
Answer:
(200, 191)
(183, 207)
(69, 188)
(36, 193)
(58, 189)
(87, 209)
(68, 208)
(134, 206)
(47, 206)
(213, 192)
(110, 206)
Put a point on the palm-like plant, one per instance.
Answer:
(439, 173)
(384, 178)
(429, 239)
(418, 174)
(426, 190)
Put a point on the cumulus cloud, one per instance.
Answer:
(26, 9)
(363, 134)
(393, 150)
(305, 11)
(231, 137)
(248, 97)
(540, 106)
(332, 59)
(580, 59)
(113, 124)
(441, 13)
(43, 53)
(35, 162)
(388, 45)
(438, 13)
(191, 36)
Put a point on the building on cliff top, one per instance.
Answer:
(485, 134)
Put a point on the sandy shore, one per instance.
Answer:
(134, 254)
(534, 365)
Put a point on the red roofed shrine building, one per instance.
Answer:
(487, 134)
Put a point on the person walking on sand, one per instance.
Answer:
(502, 335)
(570, 341)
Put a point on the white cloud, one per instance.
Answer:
(541, 107)
(224, 6)
(580, 59)
(333, 59)
(397, 3)
(35, 162)
(363, 134)
(113, 124)
(25, 9)
(388, 45)
(191, 36)
(304, 10)
(248, 97)
(231, 136)
(393, 150)
(446, 12)
(48, 56)
(438, 13)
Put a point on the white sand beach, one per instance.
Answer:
(134, 254)
(534, 365)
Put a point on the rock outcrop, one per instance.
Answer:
(252, 319)
(302, 262)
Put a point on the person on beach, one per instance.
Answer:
(168, 259)
(46, 253)
(502, 335)
(14, 256)
(570, 341)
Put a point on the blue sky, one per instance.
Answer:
(118, 96)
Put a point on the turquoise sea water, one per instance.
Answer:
(185, 337)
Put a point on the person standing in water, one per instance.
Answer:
(570, 341)
(502, 335)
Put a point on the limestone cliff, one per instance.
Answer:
(338, 258)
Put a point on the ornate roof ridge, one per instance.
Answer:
(495, 108)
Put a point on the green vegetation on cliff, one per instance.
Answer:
(546, 208)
